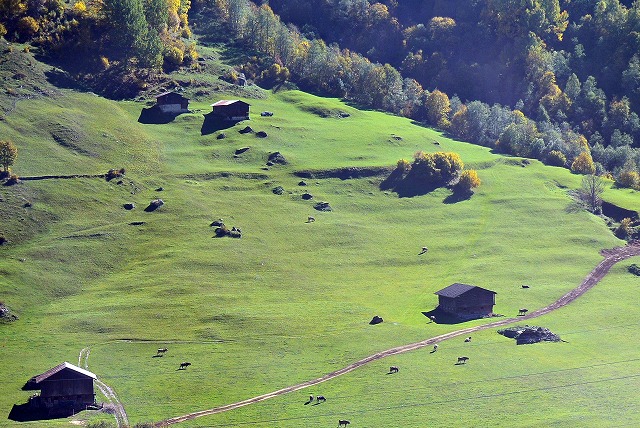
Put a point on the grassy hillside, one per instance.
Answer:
(291, 300)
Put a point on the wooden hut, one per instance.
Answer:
(466, 301)
(231, 110)
(172, 102)
(64, 387)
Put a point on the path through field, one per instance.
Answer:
(611, 257)
(112, 399)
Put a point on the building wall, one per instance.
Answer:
(473, 302)
(67, 386)
(172, 108)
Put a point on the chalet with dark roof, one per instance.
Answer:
(234, 110)
(466, 301)
(63, 387)
(172, 103)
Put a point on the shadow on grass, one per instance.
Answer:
(405, 186)
(442, 317)
(214, 123)
(456, 197)
(26, 413)
(154, 116)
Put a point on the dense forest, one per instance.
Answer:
(557, 80)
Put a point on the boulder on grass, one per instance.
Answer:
(276, 158)
(322, 206)
(376, 320)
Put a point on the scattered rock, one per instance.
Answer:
(278, 190)
(376, 320)
(525, 335)
(261, 134)
(276, 158)
(634, 269)
(307, 196)
(159, 189)
(137, 223)
(217, 223)
(221, 136)
(266, 114)
(27, 204)
(322, 206)
(6, 314)
(242, 150)
(246, 130)
(154, 205)
(3, 240)
(223, 231)
(129, 206)
(269, 163)
(302, 183)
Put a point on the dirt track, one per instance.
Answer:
(611, 257)
(110, 395)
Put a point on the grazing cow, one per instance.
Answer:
(462, 360)
(343, 423)
(432, 318)
(311, 219)
(424, 250)
(435, 347)
(320, 398)
(393, 369)
(310, 398)
(184, 365)
(161, 351)
(525, 286)
(523, 312)
(468, 339)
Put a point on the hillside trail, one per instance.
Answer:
(611, 257)
(110, 396)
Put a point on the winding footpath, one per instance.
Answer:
(110, 395)
(611, 257)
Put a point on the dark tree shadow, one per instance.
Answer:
(155, 116)
(457, 196)
(61, 79)
(214, 123)
(407, 185)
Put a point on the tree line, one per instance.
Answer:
(97, 34)
(549, 79)
(557, 80)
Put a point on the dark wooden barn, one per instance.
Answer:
(64, 387)
(172, 102)
(466, 301)
(231, 110)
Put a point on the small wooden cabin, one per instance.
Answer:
(231, 110)
(172, 102)
(64, 386)
(466, 301)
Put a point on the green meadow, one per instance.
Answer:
(291, 300)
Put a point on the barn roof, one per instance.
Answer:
(171, 92)
(61, 367)
(227, 103)
(457, 289)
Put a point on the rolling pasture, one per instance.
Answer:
(291, 300)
